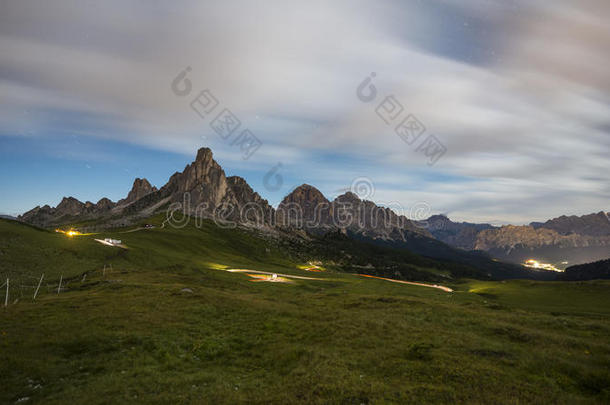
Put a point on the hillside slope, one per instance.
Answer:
(167, 323)
(590, 271)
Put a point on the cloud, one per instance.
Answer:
(517, 91)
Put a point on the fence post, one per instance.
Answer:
(59, 287)
(6, 298)
(36, 292)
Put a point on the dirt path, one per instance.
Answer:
(103, 242)
(269, 273)
(314, 268)
(440, 287)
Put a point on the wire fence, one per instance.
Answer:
(29, 286)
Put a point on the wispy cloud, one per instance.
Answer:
(517, 90)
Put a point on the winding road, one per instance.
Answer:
(440, 287)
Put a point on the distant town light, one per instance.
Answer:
(535, 264)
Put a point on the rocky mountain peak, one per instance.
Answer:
(104, 204)
(459, 234)
(67, 201)
(140, 188)
(348, 197)
(252, 207)
(204, 179)
(243, 192)
(70, 206)
(208, 189)
(204, 155)
(304, 206)
(596, 224)
(305, 194)
(438, 217)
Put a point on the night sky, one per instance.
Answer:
(517, 92)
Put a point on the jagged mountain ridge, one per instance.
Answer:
(71, 208)
(462, 235)
(597, 224)
(140, 188)
(208, 188)
(347, 212)
(212, 193)
(573, 239)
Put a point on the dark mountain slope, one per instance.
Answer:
(590, 271)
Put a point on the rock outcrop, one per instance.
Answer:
(510, 236)
(202, 189)
(520, 243)
(254, 209)
(591, 225)
(67, 210)
(307, 208)
(105, 204)
(209, 193)
(570, 239)
(462, 235)
(204, 179)
(141, 188)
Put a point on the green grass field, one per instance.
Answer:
(131, 335)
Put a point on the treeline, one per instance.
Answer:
(590, 271)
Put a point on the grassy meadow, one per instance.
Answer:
(133, 334)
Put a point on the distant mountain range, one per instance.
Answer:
(230, 200)
(570, 239)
